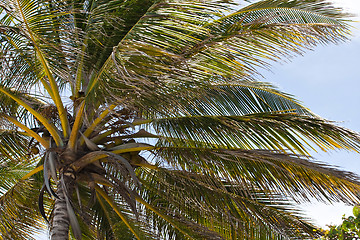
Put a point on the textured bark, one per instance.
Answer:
(60, 222)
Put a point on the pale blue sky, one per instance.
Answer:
(327, 80)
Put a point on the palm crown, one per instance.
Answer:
(144, 119)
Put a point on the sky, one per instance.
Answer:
(327, 80)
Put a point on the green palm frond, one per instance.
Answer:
(250, 36)
(18, 220)
(222, 207)
(19, 197)
(107, 24)
(10, 107)
(200, 45)
(294, 175)
(321, 7)
(236, 98)
(11, 171)
(110, 211)
(13, 145)
(16, 65)
(33, 45)
(285, 132)
(241, 98)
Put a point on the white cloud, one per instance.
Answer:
(325, 215)
(352, 6)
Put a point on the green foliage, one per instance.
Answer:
(349, 229)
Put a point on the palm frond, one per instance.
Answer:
(322, 7)
(40, 117)
(43, 40)
(14, 145)
(184, 49)
(236, 98)
(11, 171)
(243, 98)
(11, 107)
(273, 131)
(216, 209)
(107, 24)
(16, 62)
(18, 220)
(110, 211)
(298, 177)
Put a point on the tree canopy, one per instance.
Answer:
(148, 119)
(349, 229)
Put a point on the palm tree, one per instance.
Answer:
(144, 119)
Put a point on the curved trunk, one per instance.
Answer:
(60, 222)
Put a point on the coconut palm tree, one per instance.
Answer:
(145, 119)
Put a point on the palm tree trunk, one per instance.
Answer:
(60, 221)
